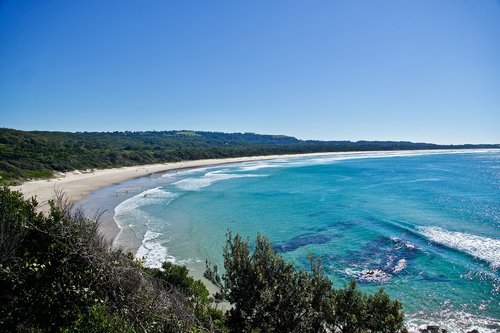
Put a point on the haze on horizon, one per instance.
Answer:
(422, 71)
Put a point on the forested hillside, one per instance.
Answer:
(26, 155)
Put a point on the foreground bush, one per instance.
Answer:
(269, 295)
(58, 275)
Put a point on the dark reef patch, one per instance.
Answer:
(343, 225)
(303, 240)
(378, 260)
(434, 278)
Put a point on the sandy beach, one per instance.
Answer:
(78, 184)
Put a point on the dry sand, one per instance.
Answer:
(77, 184)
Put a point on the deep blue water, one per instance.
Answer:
(425, 227)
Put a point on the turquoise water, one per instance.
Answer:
(424, 226)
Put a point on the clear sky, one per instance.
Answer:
(426, 70)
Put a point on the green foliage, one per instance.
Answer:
(349, 309)
(383, 314)
(269, 295)
(44, 280)
(187, 133)
(40, 173)
(27, 155)
(262, 285)
(57, 274)
(98, 320)
(194, 290)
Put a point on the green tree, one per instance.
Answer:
(57, 274)
(349, 309)
(269, 295)
(175, 276)
(383, 315)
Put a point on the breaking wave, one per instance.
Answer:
(454, 321)
(195, 184)
(152, 252)
(149, 197)
(484, 248)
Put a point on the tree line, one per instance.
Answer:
(38, 154)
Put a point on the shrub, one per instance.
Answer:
(58, 274)
(269, 295)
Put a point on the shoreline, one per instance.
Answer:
(77, 184)
(102, 179)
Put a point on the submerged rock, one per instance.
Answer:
(431, 329)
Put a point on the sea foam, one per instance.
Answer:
(183, 173)
(484, 248)
(152, 252)
(195, 184)
(128, 214)
(149, 197)
(400, 265)
(375, 276)
(454, 321)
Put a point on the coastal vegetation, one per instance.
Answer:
(58, 274)
(36, 154)
(270, 295)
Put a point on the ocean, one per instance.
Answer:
(425, 226)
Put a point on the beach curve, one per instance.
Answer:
(77, 184)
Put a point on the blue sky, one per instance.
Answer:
(334, 70)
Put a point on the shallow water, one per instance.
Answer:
(424, 226)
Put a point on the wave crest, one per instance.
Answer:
(149, 197)
(484, 248)
(195, 184)
(152, 252)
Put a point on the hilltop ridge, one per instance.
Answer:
(38, 154)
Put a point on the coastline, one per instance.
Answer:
(105, 183)
(76, 184)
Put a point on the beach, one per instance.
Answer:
(77, 184)
(406, 214)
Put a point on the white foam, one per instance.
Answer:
(369, 275)
(252, 166)
(195, 184)
(128, 212)
(149, 197)
(177, 173)
(487, 249)
(400, 243)
(295, 161)
(152, 252)
(400, 265)
(328, 158)
(453, 321)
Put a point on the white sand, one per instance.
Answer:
(77, 184)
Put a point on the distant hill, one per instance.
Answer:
(38, 154)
